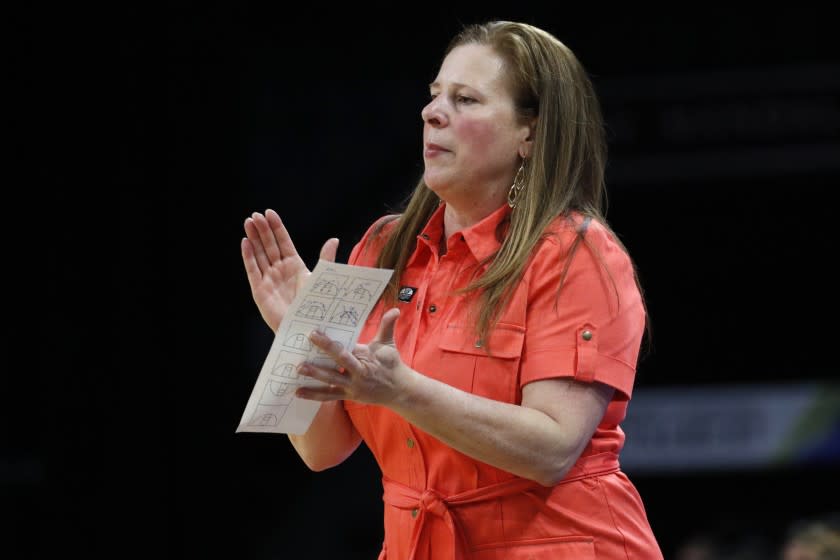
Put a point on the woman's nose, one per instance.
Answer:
(434, 113)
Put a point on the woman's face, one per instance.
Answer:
(472, 141)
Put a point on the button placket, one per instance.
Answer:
(422, 291)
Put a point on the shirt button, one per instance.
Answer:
(586, 335)
(432, 308)
(410, 443)
(414, 512)
(477, 344)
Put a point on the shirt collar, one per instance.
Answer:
(480, 238)
(484, 237)
(433, 231)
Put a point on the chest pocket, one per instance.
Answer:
(486, 368)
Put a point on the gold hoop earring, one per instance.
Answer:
(517, 186)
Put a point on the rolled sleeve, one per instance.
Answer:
(592, 328)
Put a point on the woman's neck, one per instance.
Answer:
(457, 217)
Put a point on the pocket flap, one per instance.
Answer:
(506, 341)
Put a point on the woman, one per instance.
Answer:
(500, 362)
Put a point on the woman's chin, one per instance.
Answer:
(435, 182)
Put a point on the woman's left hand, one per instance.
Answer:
(372, 373)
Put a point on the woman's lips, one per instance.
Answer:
(432, 150)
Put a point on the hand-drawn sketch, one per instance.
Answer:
(347, 313)
(329, 284)
(361, 290)
(314, 308)
(277, 393)
(297, 337)
(336, 299)
(286, 365)
(266, 416)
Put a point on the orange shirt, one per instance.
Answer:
(442, 504)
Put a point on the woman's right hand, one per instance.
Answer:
(275, 270)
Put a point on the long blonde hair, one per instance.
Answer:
(564, 173)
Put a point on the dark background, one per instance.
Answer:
(144, 139)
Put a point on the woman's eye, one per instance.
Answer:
(464, 99)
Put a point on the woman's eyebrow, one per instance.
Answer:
(455, 84)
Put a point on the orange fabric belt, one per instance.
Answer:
(430, 502)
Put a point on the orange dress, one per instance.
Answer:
(441, 504)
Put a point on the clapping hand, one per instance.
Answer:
(275, 270)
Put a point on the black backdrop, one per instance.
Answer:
(723, 131)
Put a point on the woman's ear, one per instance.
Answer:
(527, 145)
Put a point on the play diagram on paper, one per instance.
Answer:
(337, 299)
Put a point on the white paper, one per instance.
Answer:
(337, 298)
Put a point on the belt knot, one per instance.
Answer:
(432, 502)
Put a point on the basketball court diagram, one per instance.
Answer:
(329, 284)
(345, 313)
(286, 366)
(297, 337)
(361, 290)
(277, 393)
(314, 308)
(267, 417)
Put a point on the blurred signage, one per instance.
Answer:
(726, 427)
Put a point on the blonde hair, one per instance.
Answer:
(564, 173)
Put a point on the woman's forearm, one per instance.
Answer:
(521, 440)
(330, 439)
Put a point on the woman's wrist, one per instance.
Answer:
(408, 389)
